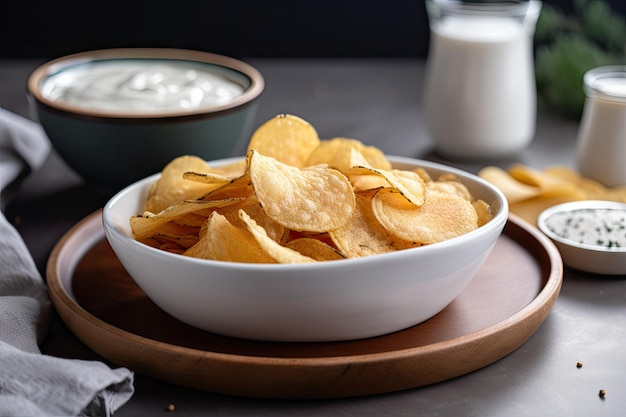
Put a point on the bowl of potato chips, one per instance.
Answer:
(304, 239)
(118, 115)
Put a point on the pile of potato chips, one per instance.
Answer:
(296, 198)
(530, 191)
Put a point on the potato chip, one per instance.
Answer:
(233, 169)
(423, 174)
(441, 217)
(287, 138)
(253, 208)
(171, 247)
(530, 209)
(183, 236)
(172, 188)
(276, 251)
(365, 180)
(315, 249)
(483, 211)
(617, 194)
(216, 180)
(594, 190)
(226, 242)
(450, 187)
(364, 235)
(201, 249)
(315, 199)
(513, 189)
(146, 225)
(293, 235)
(192, 219)
(337, 153)
(550, 187)
(408, 183)
(239, 187)
(533, 177)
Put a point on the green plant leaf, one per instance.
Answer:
(559, 71)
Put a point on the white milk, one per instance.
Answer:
(480, 98)
(601, 146)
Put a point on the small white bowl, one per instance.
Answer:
(322, 301)
(586, 235)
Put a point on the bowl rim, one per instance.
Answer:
(251, 93)
(576, 206)
(497, 222)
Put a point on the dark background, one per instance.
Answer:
(240, 28)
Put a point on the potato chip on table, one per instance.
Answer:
(530, 191)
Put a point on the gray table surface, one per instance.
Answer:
(378, 102)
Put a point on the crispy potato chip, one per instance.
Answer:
(216, 180)
(172, 188)
(183, 236)
(239, 187)
(337, 153)
(226, 242)
(293, 235)
(316, 199)
(483, 211)
(171, 247)
(441, 217)
(450, 187)
(533, 177)
(201, 249)
(364, 180)
(594, 190)
(364, 235)
(146, 225)
(617, 194)
(315, 249)
(233, 169)
(276, 251)
(553, 185)
(192, 219)
(408, 183)
(287, 138)
(513, 189)
(424, 174)
(530, 209)
(253, 208)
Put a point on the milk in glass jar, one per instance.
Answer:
(480, 93)
(601, 145)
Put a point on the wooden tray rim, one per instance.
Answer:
(91, 227)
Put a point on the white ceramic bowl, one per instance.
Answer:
(597, 255)
(92, 125)
(324, 301)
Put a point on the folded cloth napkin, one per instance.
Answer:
(32, 383)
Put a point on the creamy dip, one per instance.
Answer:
(141, 86)
(594, 226)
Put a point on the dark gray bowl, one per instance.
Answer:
(111, 148)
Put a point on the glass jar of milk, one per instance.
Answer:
(601, 145)
(479, 92)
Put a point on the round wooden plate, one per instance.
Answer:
(497, 312)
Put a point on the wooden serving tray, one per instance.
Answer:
(497, 312)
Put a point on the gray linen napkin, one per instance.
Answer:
(31, 383)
